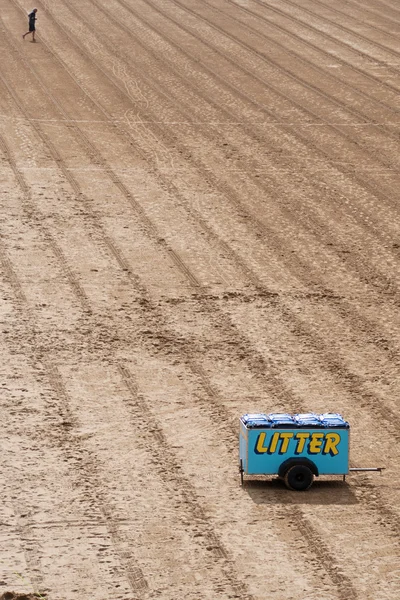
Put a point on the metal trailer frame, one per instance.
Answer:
(351, 470)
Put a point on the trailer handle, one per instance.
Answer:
(380, 469)
(363, 469)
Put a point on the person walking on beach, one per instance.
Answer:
(32, 26)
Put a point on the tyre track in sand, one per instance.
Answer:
(112, 19)
(351, 382)
(148, 49)
(366, 10)
(360, 180)
(16, 528)
(25, 533)
(66, 416)
(215, 183)
(136, 578)
(262, 18)
(89, 475)
(267, 373)
(168, 468)
(317, 549)
(293, 8)
(32, 210)
(378, 6)
(366, 221)
(134, 575)
(350, 378)
(88, 470)
(267, 60)
(97, 159)
(31, 541)
(256, 282)
(114, 251)
(191, 210)
(372, 500)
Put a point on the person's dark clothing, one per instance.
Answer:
(32, 19)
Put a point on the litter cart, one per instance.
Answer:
(297, 447)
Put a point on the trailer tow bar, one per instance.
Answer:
(363, 469)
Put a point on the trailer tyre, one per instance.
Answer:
(299, 478)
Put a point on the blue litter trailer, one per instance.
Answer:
(295, 447)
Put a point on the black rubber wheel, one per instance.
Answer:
(299, 478)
